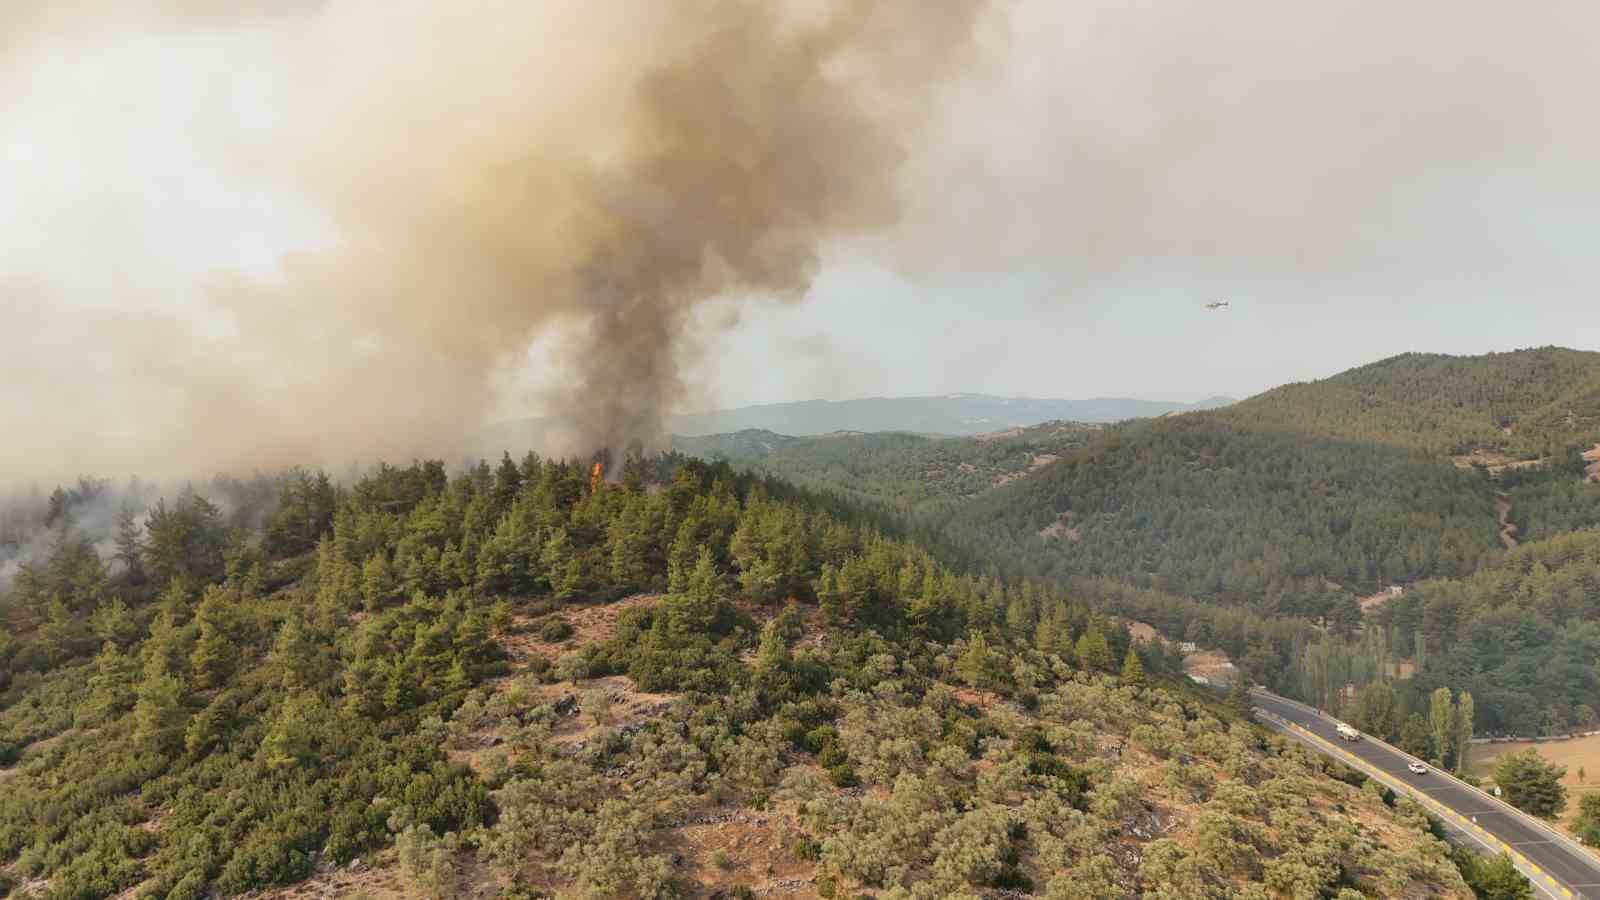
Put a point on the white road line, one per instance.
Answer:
(1545, 885)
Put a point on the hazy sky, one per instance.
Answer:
(1359, 178)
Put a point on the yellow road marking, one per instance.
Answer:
(1427, 800)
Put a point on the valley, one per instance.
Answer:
(776, 665)
(799, 449)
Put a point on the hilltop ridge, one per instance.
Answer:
(1529, 402)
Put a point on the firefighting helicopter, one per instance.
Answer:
(1217, 304)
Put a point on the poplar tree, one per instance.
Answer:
(1464, 714)
(1442, 725)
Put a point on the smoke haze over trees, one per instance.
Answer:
(310, 233)
(487, 175)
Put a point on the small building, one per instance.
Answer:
(1188, 647)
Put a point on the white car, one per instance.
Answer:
(1417, 768)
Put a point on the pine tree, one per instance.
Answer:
(62, 635)
(1132, 668)
(1020, 614)
(1531, 784)
(299, 660)
(1093, 651)
(378, 585)
(130, 545)
(1239, 699)
(110, 687)
(158, 714)
(206, 727)
(696, 601)
(290, 742)
(830, 603)
(507, 483)
(977, 664)
(214, 654)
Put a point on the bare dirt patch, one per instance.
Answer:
(1495, 463)
(383, 880)
(629, 706)
(1062, 527)
(1014, 431)
(727, 848)
(590, 623)
(1592, 457)
(1036, 461)
(575, 726)
(1400, 670)
(1502, 511)
(1145, 633)
(1212, 665)
(1372, 602)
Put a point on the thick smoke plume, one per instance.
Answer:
(459, 181)
(484, 172)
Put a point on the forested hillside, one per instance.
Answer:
(1210, 509)
(1292, 502)
(1288, 507)
(1521, 633)
(915, 475)
(517, 682)
(1527, 403)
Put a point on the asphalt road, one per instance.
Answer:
(1571, 867)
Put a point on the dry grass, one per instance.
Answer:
(1143, 632)
(1494, 462)
(384, 879)
(1212, 665)
(1061, 528)
(1576, 753)
(590, 623)
(723, 848)
(1002, 434)
(1374, 601)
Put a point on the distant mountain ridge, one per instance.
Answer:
(949, 414)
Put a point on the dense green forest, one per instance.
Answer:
(1345, 480)
(1285, 507)
(1552, 501)
(219, 707)
(1522, 633)
(910, 474)
(1197, 506)
(1529, 403)
(1291, 502)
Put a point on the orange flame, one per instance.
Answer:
(597, 473)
